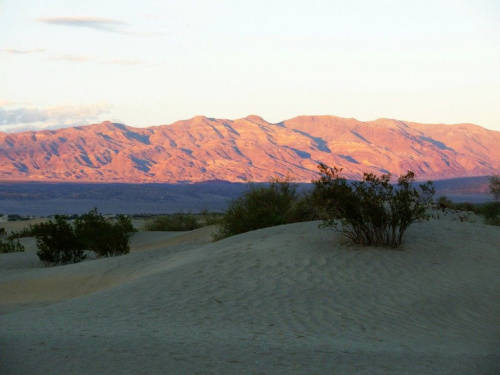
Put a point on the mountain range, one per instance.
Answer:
(248, 149)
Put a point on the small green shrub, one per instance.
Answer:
(495, 186)
(262, 207)
(25, 232)
(10, 246)
(444, 203)
(302, 209)
(466, 206)
(124, 223)
(57, 242)
(210, 218)
(491, 213)
(175, 222)
(371, 211)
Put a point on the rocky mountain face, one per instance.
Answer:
(205, 149)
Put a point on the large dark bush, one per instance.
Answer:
(262, 207)
(371, 211)
(104, 236)
(57, 242)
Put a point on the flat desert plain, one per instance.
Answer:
(293, 299)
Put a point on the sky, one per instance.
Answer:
(147, 63)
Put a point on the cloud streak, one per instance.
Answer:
(23, 51)
(96, 23)
(31, 118)
(125, 62)
(86, 59)
(73, 58)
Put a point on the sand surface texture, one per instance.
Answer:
(286, 300)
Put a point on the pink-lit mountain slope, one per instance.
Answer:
(202, 149)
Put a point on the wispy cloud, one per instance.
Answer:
(96, 23)
(85, 59)
(73, 58)
(100, 24)
(32, 118)
(125, 62)
(23, 51)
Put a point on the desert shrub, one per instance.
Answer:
(57, 242)
(371, 211)
(491, 213)
(495, 186)
(9, 246)
(125, 224)
(104, 236)
(210, 218)
(25, 232)
(466, 206)
(443, 202)
(28, 231)
(175, 222)
(262, 207)
(302, 209)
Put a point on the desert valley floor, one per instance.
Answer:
(291, 299)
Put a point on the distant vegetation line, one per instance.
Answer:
(44, 199)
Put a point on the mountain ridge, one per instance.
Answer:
(247, 149)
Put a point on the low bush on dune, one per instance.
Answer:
(59, 242)
(210, 218)
(495, 186)
(371, 211)
(180, 221)
(444, 203)
(25, 232)
(175, 222)
(265, 206)
(9, 245)
(103, 236)
(491, 213)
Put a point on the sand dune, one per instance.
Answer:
(289, 299)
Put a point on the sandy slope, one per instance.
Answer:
(289, 299)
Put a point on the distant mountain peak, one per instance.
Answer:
(256, 119)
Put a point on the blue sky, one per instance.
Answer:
(145, 63)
